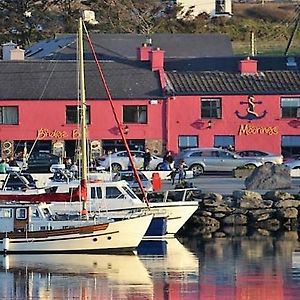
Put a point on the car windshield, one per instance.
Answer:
(130, 176)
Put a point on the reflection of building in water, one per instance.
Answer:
(73, 277)
(245, 268)
(173, 267)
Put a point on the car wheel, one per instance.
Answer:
(197, 170)
(116, 168)
(158, 167)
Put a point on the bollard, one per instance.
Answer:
(156, 182)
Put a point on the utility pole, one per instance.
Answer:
(293, 33)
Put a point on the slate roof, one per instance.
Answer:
(113, 46)
(221, 83)
(231, 64)
(58, 80)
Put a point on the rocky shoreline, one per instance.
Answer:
(243, 212)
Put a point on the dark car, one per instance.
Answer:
(41, 162)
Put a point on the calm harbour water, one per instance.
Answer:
(255, 268)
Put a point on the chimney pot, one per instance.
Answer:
(248, 66)
(143, 52)
(157, 58)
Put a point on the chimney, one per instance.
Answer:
(143, 52)
(17, 54)
(6, 48)
(157, 59)
(248, 66)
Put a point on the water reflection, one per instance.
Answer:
(73, 277)
(257, 267)
(173, 268)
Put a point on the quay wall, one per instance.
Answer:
(242, 212)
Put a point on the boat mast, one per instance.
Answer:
(84, 162)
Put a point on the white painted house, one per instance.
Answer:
(212, 7)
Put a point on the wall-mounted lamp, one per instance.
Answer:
(153, 102)
(209, 124)
(125, 129)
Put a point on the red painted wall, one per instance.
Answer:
(168, 119)
(185, 119)
(51, 115)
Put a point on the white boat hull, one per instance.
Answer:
(178, 213)
(120, 236)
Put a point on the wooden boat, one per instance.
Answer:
(28, 228)
(34, 228)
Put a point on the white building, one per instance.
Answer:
(212, 7)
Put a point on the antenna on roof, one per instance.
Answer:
(148, 41)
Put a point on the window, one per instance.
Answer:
(96, 193)
(118, 145)
(290, 144)
(21, 213)
(220, 6)
(290, 107)
(135, 114)
(113, 192)
(211, 108)
(224, 141)
(5, 213)
(9, 115)
(187, 141)
(72, 114)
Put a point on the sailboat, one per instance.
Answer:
(124, 202)
(32, 228)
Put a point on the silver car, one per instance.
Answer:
(264, 156)
(201, 160)
(119, 161)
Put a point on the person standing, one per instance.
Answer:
(3, 166)
(169, 160)
(147, 159)
(181, 171)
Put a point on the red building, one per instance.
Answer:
(165, 101)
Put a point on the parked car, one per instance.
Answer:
(129, 177)
(40, 162)
(201, 160)
(293, 164)
(263, 156)
(119, 161)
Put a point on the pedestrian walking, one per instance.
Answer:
(181, 171)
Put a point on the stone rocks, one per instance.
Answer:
(269, 177)
(243, 212)
(278, 195)
(235, 219)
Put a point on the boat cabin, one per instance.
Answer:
(18, 217)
